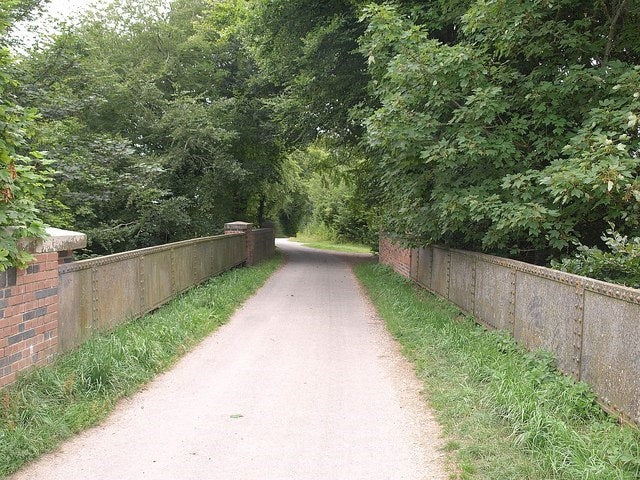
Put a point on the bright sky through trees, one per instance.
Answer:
(54, 11)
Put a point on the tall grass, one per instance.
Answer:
(507, 413)
(316, 231)
(52, 403)
(318, 235)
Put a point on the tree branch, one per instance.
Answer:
(612, 29)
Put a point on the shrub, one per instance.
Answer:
(620, 264)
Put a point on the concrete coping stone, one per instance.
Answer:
(238, 226)
(57, 240)
(118, 257)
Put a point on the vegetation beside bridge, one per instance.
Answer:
(505, 127)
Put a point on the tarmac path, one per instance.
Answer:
(304, 382)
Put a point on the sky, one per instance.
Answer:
(66, 8)
(58, 9)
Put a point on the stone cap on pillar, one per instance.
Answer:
(237, 227)
(57, 240)
(268, 224)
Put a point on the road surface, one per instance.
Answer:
(304, 382)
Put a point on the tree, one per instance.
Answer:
(517, 135)
(23, 172)
(308, 52)
(156, 127)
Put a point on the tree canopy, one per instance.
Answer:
(509, 127)
(151, 117)
(517, 134)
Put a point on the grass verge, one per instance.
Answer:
(323, 244)
(79, 389)
(506, 413)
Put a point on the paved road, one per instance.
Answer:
(303, 383)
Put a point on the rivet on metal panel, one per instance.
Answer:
(173, 271)
(512, 302)
(448, 272)
(141, 279)
(579, 320)
(473, 289)
(94, 291)
(430, 266)
(194, 265)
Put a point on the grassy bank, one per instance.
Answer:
(507, 414)
(324, 244)
(52, 403)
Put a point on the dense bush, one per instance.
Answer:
(335, 206)
(620, 264)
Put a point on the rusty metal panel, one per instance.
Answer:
(207, 259)
(117, 295)
(425, 258)
(219, 254)
(495, 294)
(263, 244)
(75, 309)
(545, 316)
(611, 352)
(157, 278)
(462, 273)
(440, 273)
(222, 255)
(267, 247)
(201, 261)
(232, 254)
(591, 327)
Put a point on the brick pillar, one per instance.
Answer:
(249, 240)
(29, 305)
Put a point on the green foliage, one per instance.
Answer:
(107, 190)
(621, 264)
(23, 172)
(337, 208)
(508, 414)
(50, 404)
(509, 127)
(314, 78)
(307, 51)
(320, 239)
(517, 135)
(155, 124)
